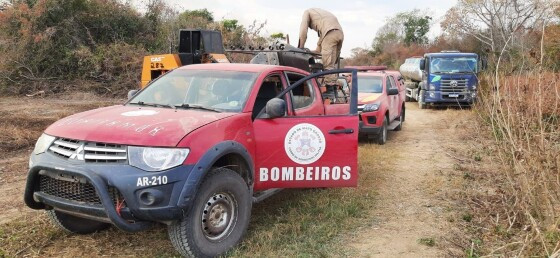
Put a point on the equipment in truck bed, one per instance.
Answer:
(206, 46)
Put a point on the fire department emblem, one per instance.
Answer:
(304, 143)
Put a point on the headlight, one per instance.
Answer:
(156, 159)
(43, 143)
(432, 94)
(474, 87)
(432, 87)
(371, 107)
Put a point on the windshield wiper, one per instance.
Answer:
(191, 106)
(142, 103)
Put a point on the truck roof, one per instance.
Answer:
(449, 54)
(372, 73)
(256, 68)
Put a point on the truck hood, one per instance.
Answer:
(133, 125)
(366, 98)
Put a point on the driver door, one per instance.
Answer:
(306, 151)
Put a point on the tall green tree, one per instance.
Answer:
(416, 29)
(404, 27)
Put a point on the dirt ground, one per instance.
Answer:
(408, 216)
(411, 215)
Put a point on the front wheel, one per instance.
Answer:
(218, 219)
(382, 137)
(421, 103)
(73, 224)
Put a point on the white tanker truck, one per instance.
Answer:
(412, 74)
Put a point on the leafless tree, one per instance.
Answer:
(497, 23)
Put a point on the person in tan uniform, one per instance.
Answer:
(330, 38)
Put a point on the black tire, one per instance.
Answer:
(401, 120)
(223, 197)
(407, 99)
(73, 224)
(421, 103)
(382, 137)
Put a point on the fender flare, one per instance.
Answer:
(204, 164)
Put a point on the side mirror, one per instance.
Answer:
(393, 91)
(132, 93)
(275, 108)
(422, 64)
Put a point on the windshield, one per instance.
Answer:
(453, 65)
(219, 90)
(414, 61)
(370, 84)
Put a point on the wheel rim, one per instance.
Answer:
(218, 216)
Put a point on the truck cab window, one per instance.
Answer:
(388, 84)
(302, 96)
(393, 83)
(271, 86)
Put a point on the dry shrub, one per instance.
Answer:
(522, 112)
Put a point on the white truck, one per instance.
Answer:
(412, 74)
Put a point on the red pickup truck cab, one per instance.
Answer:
(381, 102)
(193, 150)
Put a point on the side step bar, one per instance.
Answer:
(260, 196)
(393, 125)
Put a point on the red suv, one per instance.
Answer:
(381, 97)
(193, 150)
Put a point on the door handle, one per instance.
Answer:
(339, 131)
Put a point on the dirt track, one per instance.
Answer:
(410, 215)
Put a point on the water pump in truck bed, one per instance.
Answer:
(282, 54)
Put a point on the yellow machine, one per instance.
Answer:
(195, 47)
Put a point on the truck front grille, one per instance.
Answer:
(454, 85)
(89, 151)
(74, 189)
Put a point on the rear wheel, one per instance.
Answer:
(401, 120)
(218, 219)
(75, 224)
(382, 137)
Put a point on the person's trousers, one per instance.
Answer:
(330, 51)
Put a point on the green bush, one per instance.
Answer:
(45, 43)
(70, 39)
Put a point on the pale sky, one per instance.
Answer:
(360, 19)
